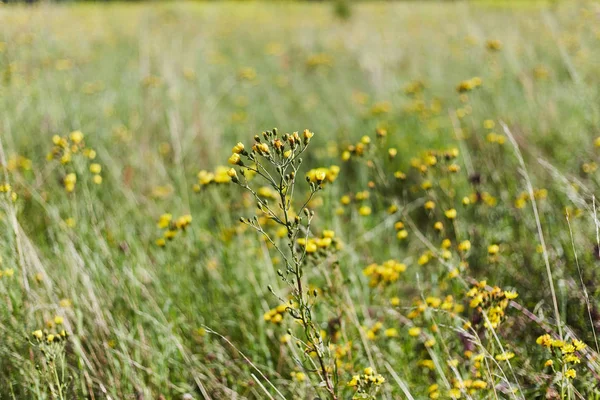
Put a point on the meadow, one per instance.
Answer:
(421, 224)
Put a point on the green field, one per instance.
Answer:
(452, 175)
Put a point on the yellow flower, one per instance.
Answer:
(453, 168)
(95, 168)
(430, 205)
(414, 331)
(464, 246)
(311, 247)
(571, 358)
(402, 234)
(568, 348)
(510, 295)
(493, 249)
(328, 234)
(262, 147)
(544, 340)
(507, 355)
(238, 148)
(399, 175)
(170, 234)
(364, 211)
(479, 384)
(298, 376)
(571, 373)
(76, 137)
(164, 220)
(450, 214)
(579, 345)
(235, 159)
(307, 135)
(391, 332)
(285, 338)
(232, 173)
(354, 381)
(69, 182)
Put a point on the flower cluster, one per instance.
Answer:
(18, 162)
(218, 176)
(374, 331)
(565, 355)
(67, 149)
(322, 175)
(275, 315)
(171, 227)
(44, 336)
(447, 304)
(384, 274)
(470, 386)
(469, 84)
(326, 242)
(524, 197)
(367, 384)
(8, 190)
(401, 232)
(491, 303)
(357, 150)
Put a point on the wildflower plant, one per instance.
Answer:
(367, 385)
(564, 357)
(276, 159)
(70, 151)
(52, 368)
